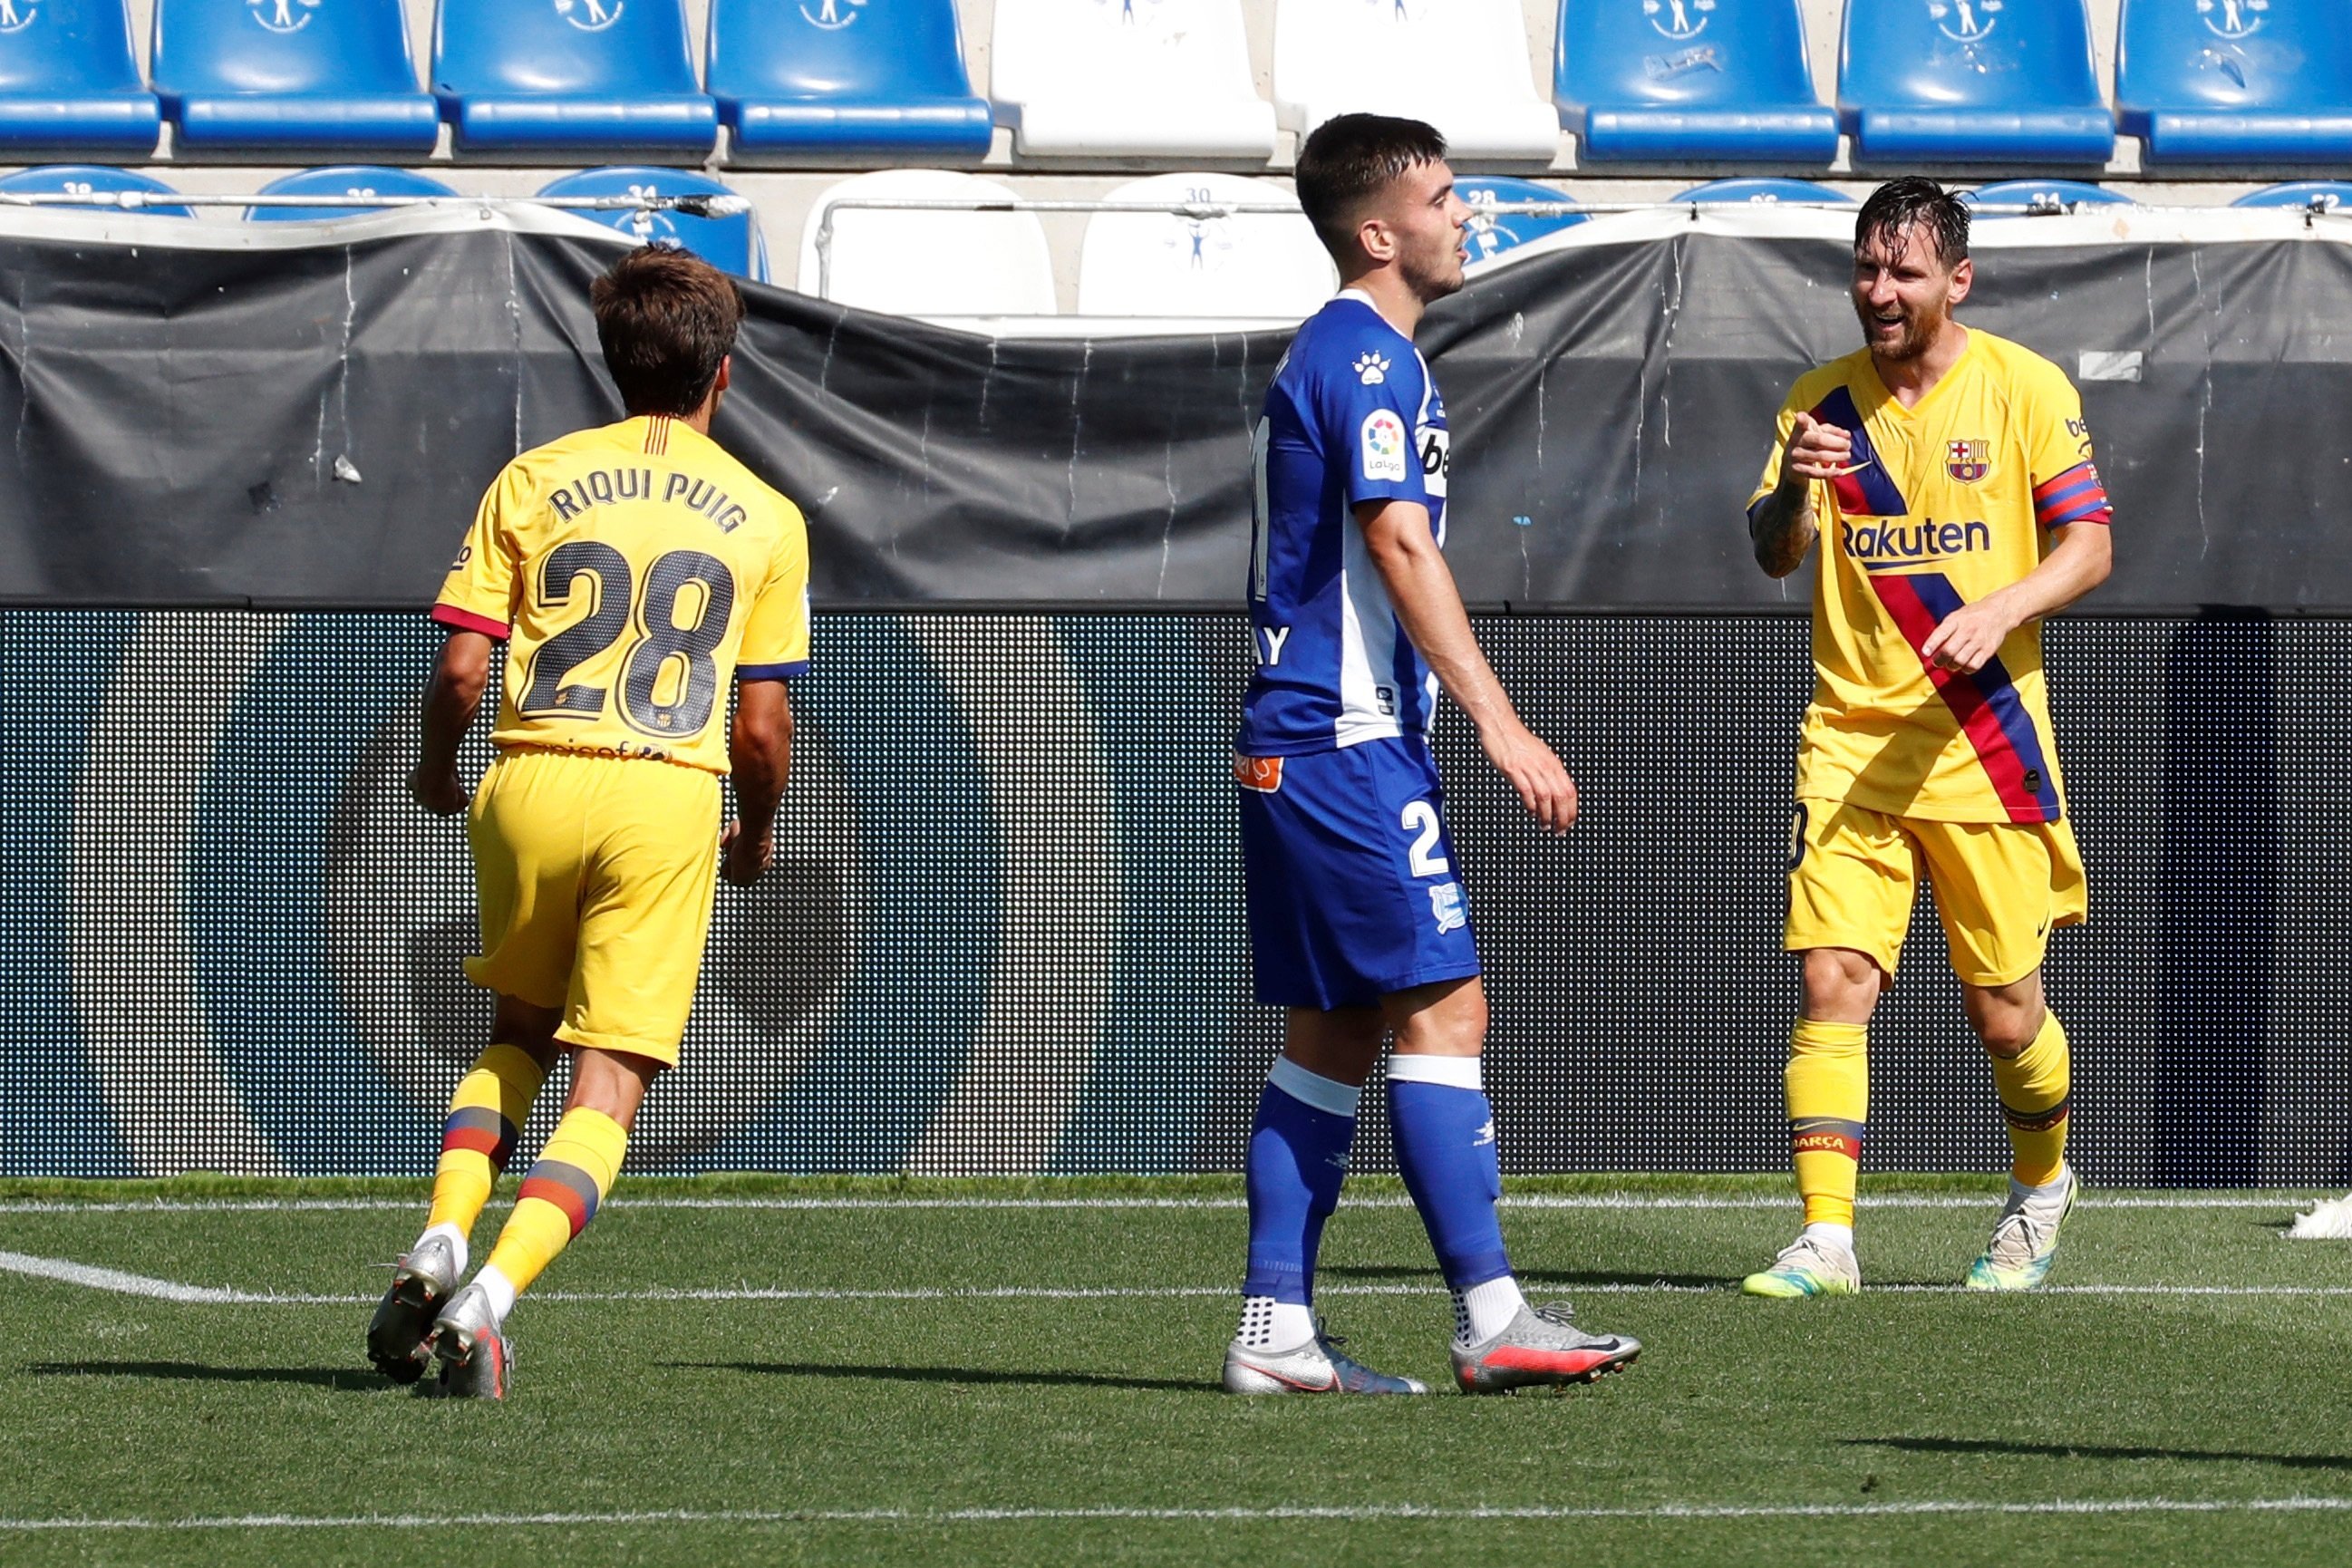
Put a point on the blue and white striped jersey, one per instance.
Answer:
(1352, 416)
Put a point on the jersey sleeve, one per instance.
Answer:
(1371, 398)
(776, 638)
(478, 594)
(2066, 485)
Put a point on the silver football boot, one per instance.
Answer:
(1540, 1348)
(1318, 1366)
(476, 1361)
(421, 1282)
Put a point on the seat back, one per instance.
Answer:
(53, 48)
(1363, 53)
(2043, 196)
(1960, 55)
(222, 47)
(734, 244)
(342, 180)
(83, 178)
(929, 263)
(1763, 192)
(1174, 264)
(533, 48)
(1679, 53)
(886, 50)
(2275, 54)
(2325, 195)
(1492, 233)
(1119, 50)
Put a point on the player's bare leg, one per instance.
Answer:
(1297, 1161)
(1829, 1102)
(485, 1118)
(1444, 1132)
(557, 1199)
(2033, 1077)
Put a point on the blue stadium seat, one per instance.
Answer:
(342, 180)
(306, 76)
(1493, 234)
(1690, 80)
(69, 81)
(1762, 190)
(2043, 196)
(1972, 81)
(845, 79)
(56, 178)
(734, 244)
(563, 78)
(2236, 82)
(2325, 195)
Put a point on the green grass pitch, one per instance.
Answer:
(847, 1372)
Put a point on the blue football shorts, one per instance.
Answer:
(1353, 891)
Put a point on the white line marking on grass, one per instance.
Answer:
(1592, 1200)
(1372, 1511)
(122, 1283)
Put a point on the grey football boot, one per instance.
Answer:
(1540, 1348)
(1318, 1366)
(421, 1283)
(476, 1361)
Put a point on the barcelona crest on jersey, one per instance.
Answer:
(1968, 461)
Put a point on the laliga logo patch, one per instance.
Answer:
(1384, 446)
(1371, 368)
(1674, 19)
(15, 19)
(1975, 18)
(1446, 904)
(1968, 461)
(829, 15)
(589, 16)
(278, 15)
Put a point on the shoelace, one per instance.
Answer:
(2015, 1239)
(1556, 1312)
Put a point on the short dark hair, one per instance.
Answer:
(1351, 158)
(1896, 206)
(665, 319)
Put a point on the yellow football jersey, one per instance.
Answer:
(633, 571)
(1948, 502)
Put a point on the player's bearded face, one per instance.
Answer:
(1432, 226)
(1903, 293)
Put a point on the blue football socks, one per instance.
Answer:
(1444, 1133)
(1298, 1159)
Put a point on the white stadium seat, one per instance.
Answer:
(1167, 264)
(1126, 79)
(1461, 65)
(929, 263)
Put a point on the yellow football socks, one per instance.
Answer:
(1829, 1101)
(2034, 1086)
(485, 1117)
(560, 1195)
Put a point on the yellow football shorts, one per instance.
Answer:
(595, 876)
(1854, 876)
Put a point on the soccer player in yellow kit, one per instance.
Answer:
(1947, 473)
(635, 573)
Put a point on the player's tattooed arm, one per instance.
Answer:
(1405, 552)
(760, 749)
(451, 701)
(1782, 526)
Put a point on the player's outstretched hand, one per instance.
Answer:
(440, 794)
(1818, 450)
(1544, 786)
(743, 857)
(1969, 637)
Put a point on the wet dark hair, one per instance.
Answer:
(1898, 206)
(665, 319)
(1351, 158)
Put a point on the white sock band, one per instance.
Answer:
(1326, 1095)
(1452, 1072)
(1839, 1236)
(1485, 1309)
(498, 1289)
(1271, 1325)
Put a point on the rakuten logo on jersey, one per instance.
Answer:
(1879, 546)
